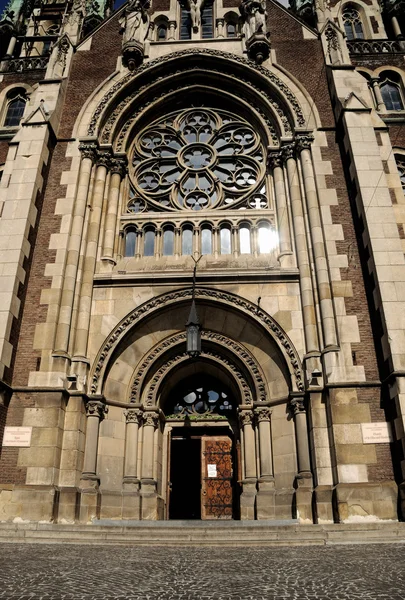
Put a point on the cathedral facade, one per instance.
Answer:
(202, 275)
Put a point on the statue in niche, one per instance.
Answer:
(135, 22)
(195, 7)
(134, 27)
(254, 17)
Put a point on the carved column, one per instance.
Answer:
(307, 297)
(375, 84)
(215, 241)
(158, 242)
(318, 245)
(88, 151)
(177, 242)
(11, 46)
(118, 168)
(303, 481)
(89, 263)
(265, 502)
(396, 28)
(172, 30)
(131, 498)
(138, 243)
(248, 496)
(276, 165)
(220, 28)
(235, 241)
(95, 411)
(148, 483)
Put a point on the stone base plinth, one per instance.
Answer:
(303, 498)
(28, 502)
(265, 501)
(149, 501)
(357, 502)
(248, 501)
(68, 505)
(323, 507)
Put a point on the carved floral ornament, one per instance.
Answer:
(108, 119)
(165, 300)
(147, 364)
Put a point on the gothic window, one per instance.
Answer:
(391, 95)
(401, 170)
(267, 238)
(196, 159)
(352, 23)
(187, 240)
(130, 241)
(207, 20)
(203, 397)
(225, 239)
(244, 239)
(15, 107)
(206, 240)
(168, 241)
(231, 25)
(185, 23)
(149, 242)
(161, 33)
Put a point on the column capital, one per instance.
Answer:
(133, 415)
(172, 24)
(118, 165)
(220, 21)
(263, 413)
(246, 417)
(150, 419)
(103, 158)
(95, 408)
(297, 406)
(275, 159)
(288, 151)
(304, 141)
(88, 150)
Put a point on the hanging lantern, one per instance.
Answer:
(193, 330)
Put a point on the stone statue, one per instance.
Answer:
(254, 16)
(135, 22)
(195, 7)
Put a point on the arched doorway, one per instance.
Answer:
(204, 452)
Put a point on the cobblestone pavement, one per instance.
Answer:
(50, 572)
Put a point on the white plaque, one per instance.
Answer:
(17, 436)
(376, 433)
(212, 470)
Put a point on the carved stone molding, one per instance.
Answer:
(118, 165)
(288, 151)
(222, 297)
(263, 414)
(103, 159)
(246, 417)
(174, 362)
(231, 58)
(95, 408)
(133, 415)
(297, 405)
(150, 419)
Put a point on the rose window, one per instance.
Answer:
(199, 158)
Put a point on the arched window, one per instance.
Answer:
(266, 238)
(244, 239)
(15, 107)
(207, 20)
(161, 28)
(130, 241)
(185, 22)
(231, 25)
(352, 23)
(149, 243)
(187, 240)
(391, 94)
(230, 30)
(206, 240)
(401, 170)
(225, 239)
(168, 241)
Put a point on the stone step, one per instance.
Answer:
(166, 533)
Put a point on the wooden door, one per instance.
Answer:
(216, 477)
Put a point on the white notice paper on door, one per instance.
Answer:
(212, 470)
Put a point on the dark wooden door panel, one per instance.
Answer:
(216, 477)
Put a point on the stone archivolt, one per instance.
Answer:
(158, 303)
(255, 388)
(283, 103)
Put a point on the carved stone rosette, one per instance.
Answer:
(263, 414)
(133, 415)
